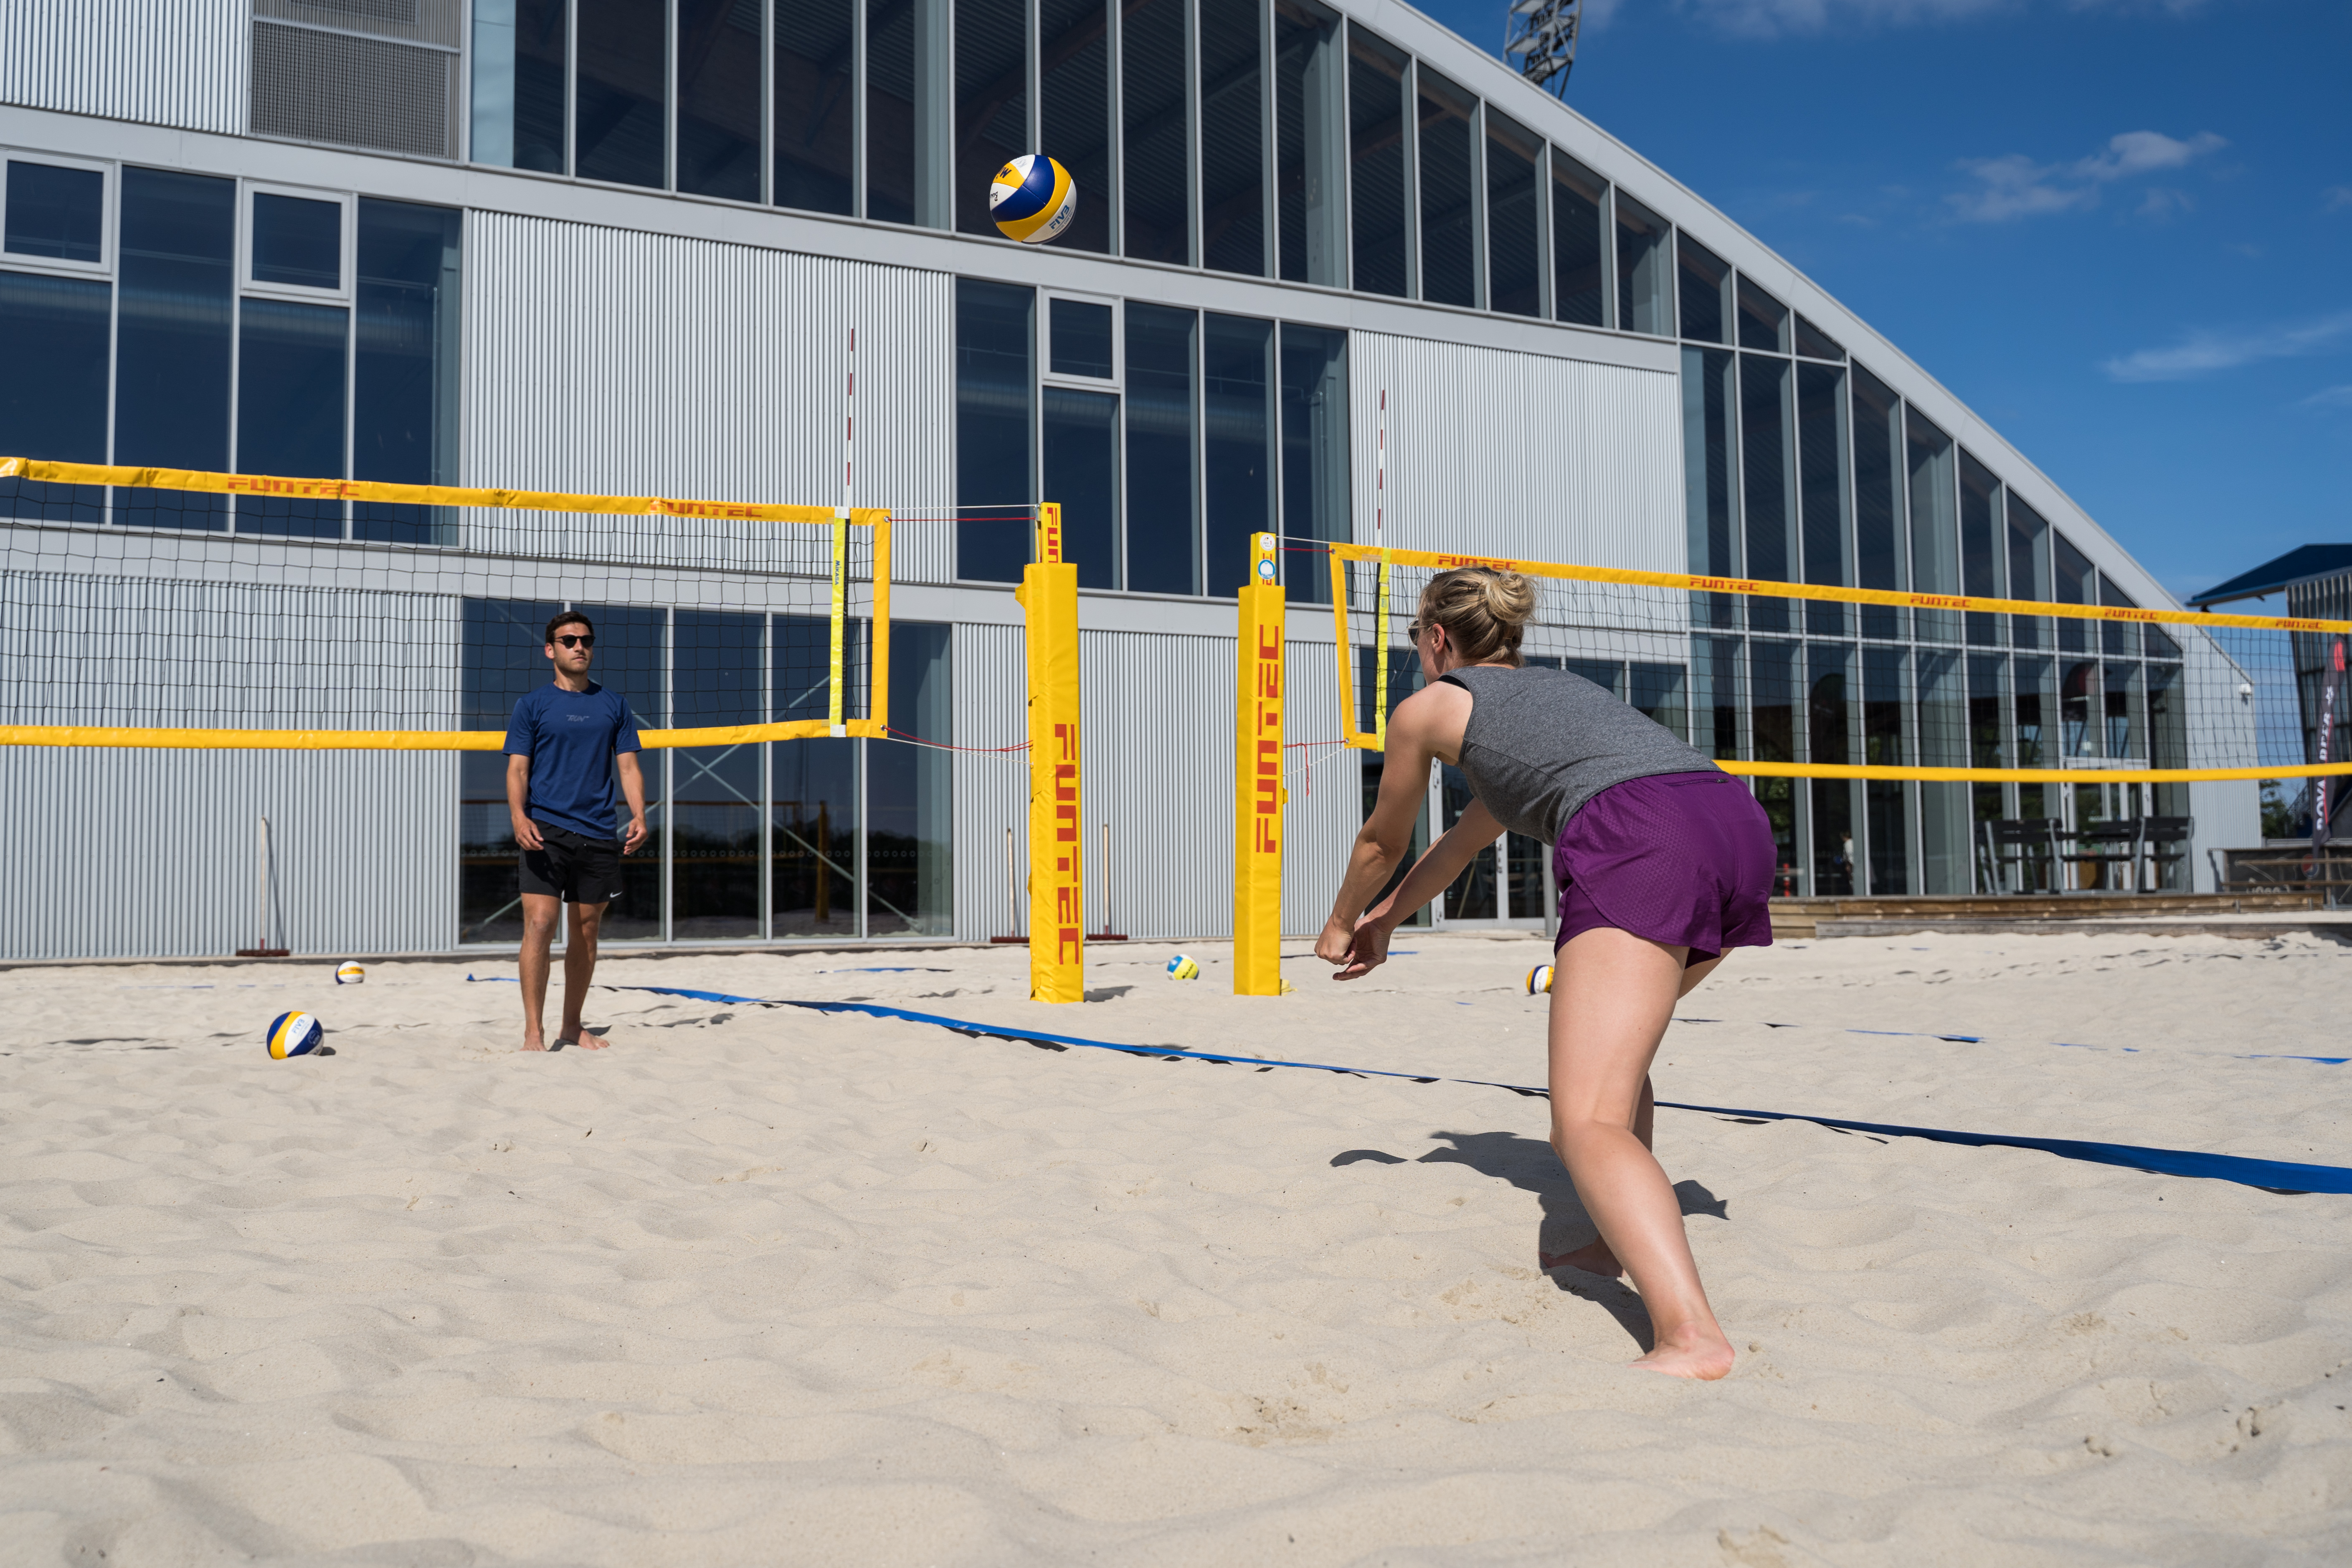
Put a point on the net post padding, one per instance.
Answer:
(1258, 793)
(1049, 606)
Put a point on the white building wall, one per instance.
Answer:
(180, 63)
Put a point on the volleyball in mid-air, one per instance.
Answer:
(1539, 980)
(294, 1035)
(1033, 198)
(1182, 968)
(351, 974)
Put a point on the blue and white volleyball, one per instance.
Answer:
(351, 974)
(1182, 968)
(1539, 980)
(294, 1035)
(1033, 199)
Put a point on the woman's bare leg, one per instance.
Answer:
(1611, 999)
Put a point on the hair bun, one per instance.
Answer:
(1483, 609)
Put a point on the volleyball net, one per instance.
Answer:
(1799, 680)
(151, 607)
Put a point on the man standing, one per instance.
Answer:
(562, 746)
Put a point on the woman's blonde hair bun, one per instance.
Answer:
(1483, 609)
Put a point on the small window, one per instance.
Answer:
(1705, 278)
(1645, 300)
(298, 241)
(55, 212)
(1763, 321)
(1080, 334)
(1814, 344)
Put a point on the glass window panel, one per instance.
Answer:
(910, 791)
(2036, 710)
(1081, 339)
(1449, 255)
(1473, 895)
(1704, 280)
(1314, 497)
(1233, 136)
(520, 90)
(1822, 450)
(289, 411)
(1716, 697)
(298, 241)
(55, 212)
(2127, 732)
(2070, 584)
(815, 67)
(1763, 321)
(1081, 448)
(1154, 196)
(1878, 543)
(1935, 532)
(1513, 265)
(812, 805)
(1073, 111)
(1658, 690)
(1644, 301)
(1775, 691)
(1164, 532)
(716, 678)
(991, 101)
(1310, 177)
(890, 44)
(718, 100)
(995, 487)
(2118, 639)
(1712, 501)
(1831, 721)
(1886, 691)
(2168, 747)
(2029, 571)
(621, 131)
(1981, 537)
(1607, 674)
(2078, 696)
(1579, 279)
(59, 324)
(404, 369)
(632, 650)
(1988, 737)
(171, 349)
(1767, 484)
(1376, 110)
(1815, 343)
(502, 658)
(1237, 357)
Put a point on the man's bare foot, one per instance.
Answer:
(533, 1043)
(1693, 1352)
(584, 1039)
(1594, 1257)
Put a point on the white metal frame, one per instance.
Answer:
(17, 261)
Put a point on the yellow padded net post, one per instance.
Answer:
(1258, 794)
(1049, 603)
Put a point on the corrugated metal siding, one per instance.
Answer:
(598, 360)
(991, 791)
(152, 854)
(165, 62)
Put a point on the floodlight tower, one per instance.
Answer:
(1542, 33)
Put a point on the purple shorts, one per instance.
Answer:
(1681, 858)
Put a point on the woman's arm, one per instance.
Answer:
(1366, 947)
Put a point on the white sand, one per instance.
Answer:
(765, 1286)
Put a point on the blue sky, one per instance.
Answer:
(2120, 230)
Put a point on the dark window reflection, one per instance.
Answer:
(1081, 452)
(1473, 895)
(1314, 497)
(1767, 483)
(1376, 131)
(1644, 302)
(716, 681)
(1703, 280)
(1774, 689)
(177, 273)
(1162, 527)
(1448, 245)
(1511, 220)
(1981, 542)
(624, 64)
(910, 791)
(298, 241)
(994, 381)
(1885, 677)
(1081, 339)
(1309, 170)
(890, 110)
(55, 212)
(1233, 136)
(519, 84)
(2029, 571)
(1580, 267)
(1829, 717)
(1763, 321)
(813, 818)
(2071, 583)
(992, 112)
(630, 660)
(289, 411)
(1709, 395)
(404, 424)
(503, 658)
(1074, 110)
(1153, 194)
(59, 324)
(1815, 343)
(1821, 491)
(719, 97)
(1879, 553)
(1237, 357)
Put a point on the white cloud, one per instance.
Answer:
(2202, 352)
(2331, 397)
(2015, 186)
(2334, 198)
(2161, 201)
(1772, 18)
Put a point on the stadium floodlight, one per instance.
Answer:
(1542, 33)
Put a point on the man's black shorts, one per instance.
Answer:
(573, 868)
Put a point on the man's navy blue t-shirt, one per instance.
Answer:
(569, 738)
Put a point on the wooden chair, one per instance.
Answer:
(2019, 843)
(2163, 841)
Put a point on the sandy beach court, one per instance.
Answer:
(761, 1285)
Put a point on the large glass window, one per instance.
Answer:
(2118, 639)
(1704, 282)
(503, 659)
(622, 84)
(1988, 736)
(1233, 136)
(992, 98)
(1081, 454)
(631, 658)
(2070, 584)
(1315, 498)
(1768, 483)
(1376, 113)
(289, 411)
(1815, 343)
(1823, 501)
(297, 241)
(1934, 535)
(1154, 103)
(405, 376)
(2029, 571)
(1514, 264)
(1449, 238)
(1657, 691)
(1763, 321)
(172, 343)
(54, 211)
(812, 805)
(1080, 334)
(1885, 742)
(1831, 720)
(59, 324)
(1716, 698)
(1776, 691)
(1644, 299)
(1710, 392)
(2036, 712)
(1981, 545)
(1311, 173)
(1237, 382)
(718, 98)
(1073, 111)
(520, 84)
(910, 792)
(816, 107)
(995, 378)
(1580, 261)
(1163, 534)
(1880, 560)
(2168, 747)
(893, 41)
(716, 678)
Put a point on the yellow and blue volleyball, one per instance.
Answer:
(351, 974)
(1182, 968)
(1539, 980)
(294, 1035)
(1033, 198)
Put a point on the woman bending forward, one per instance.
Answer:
(1663, 862)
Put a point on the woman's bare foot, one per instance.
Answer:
(1594, 1257)
(1693, 1352)
(585, 1040)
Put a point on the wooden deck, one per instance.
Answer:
(2231, 914)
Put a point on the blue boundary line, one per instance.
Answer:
(2273, 1175)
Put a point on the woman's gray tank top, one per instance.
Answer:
(1540, 743)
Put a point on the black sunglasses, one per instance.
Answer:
(568, 641)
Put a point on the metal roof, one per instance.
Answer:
(2300, 564)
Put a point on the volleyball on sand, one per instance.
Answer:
(1182, 968)
(294, 1035)
(1033, 198)
(351, 974)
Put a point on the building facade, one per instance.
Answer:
(620, 246)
